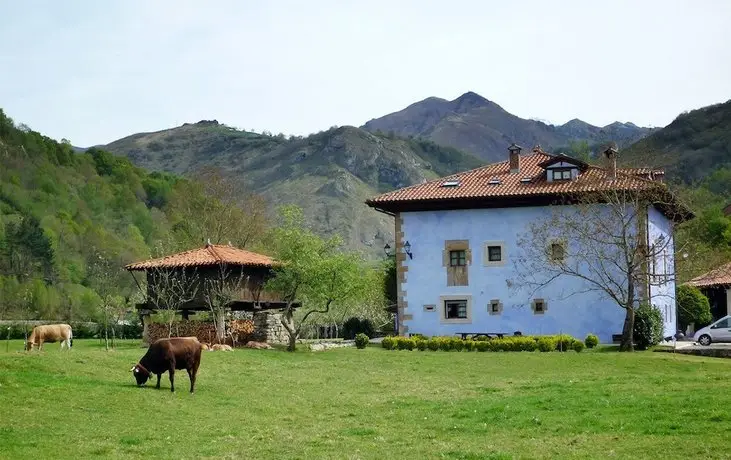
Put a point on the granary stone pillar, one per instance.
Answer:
(145, 320)
(728, 301)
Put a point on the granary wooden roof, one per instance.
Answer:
(494, 184)
(210, 254)
(718, 277)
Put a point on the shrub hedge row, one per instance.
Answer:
(544, 343)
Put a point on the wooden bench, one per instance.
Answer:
(475, 335)
(616, 338)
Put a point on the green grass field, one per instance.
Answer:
(372, 403)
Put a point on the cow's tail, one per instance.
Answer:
(71, 338)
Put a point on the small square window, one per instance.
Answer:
(558, 252)
(566, 175)
(457, 258)
(455, 309)
(494, 253)
(495, 307)
(539, 306)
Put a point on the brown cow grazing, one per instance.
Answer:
(166, 355)
(50, 333)
(221, 347)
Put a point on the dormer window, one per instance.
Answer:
(560, 173)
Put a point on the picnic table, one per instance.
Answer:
(475, 335)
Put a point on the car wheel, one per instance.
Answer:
(704, 340)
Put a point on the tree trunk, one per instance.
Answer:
(106, 329)
(627, 343)
(292, 345)
(219, 320)
(287, 321)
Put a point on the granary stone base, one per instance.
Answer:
(267, 326)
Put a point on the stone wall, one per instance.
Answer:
(268, 327)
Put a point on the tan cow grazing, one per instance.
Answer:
(50, 333)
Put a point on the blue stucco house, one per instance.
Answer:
(460, 241)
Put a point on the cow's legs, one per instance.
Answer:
(191, 374)
(158, 381)
(172, 378)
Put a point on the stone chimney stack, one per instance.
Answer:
(611, 156)
(514, 150)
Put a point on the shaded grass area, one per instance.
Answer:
(371, 403)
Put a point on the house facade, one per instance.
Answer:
(461, 243)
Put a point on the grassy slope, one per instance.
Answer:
(329, 174)
(365, 404)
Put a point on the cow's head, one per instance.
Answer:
(28, 345)
(141, 374)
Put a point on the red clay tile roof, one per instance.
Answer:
(212, 254)
(476, 183)
(721, 276)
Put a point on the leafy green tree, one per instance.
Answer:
(693, 306)
(314, 271)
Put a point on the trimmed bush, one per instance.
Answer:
(361, 340)
(514, 343)
(591, 341)
(405, 343)
(578, 346)
(648, 326)
(546, 344)
(564, 342)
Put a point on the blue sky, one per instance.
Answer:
(94, 71)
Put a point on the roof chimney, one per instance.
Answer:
(514, 150)
(208, 242)
(538, 149)
(611, 155)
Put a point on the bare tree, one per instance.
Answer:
(602, 239)
(169, 289)
(104, 274)
(220, 208)
(220, 290)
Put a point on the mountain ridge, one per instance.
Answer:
(476, 125)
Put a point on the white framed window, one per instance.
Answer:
(557, 251)
(539, 306)
(495, 307)
(494, 253)
(456, 309)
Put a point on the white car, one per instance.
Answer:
(720, 331)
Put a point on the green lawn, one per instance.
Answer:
(372, 403)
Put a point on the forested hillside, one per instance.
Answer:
(69, 222)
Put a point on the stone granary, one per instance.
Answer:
(187, 282)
